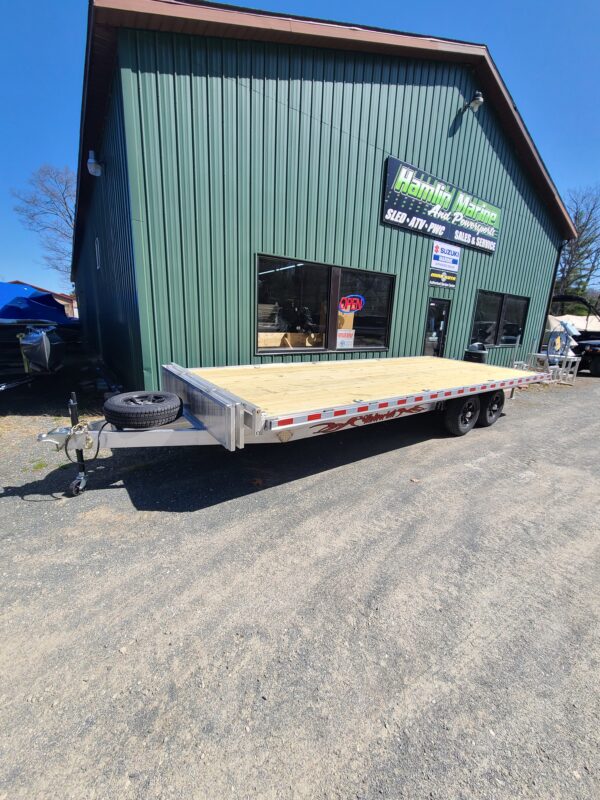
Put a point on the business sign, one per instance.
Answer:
(445, 256)
(439, 277)
(420, 202)
(445, 262)
(351, 303)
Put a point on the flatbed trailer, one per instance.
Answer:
(278, 403)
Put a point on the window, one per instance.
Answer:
(305, 306)
(487, 316)
(499, 319)
(363, 309)
(512, 322)
(292, 304)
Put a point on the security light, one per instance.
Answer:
(476, 101)
(94, 167)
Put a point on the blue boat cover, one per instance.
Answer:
(22, 302)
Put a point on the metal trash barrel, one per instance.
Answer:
(476, 352)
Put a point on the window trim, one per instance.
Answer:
(335, 274)
(501, 316)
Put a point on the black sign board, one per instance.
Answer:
(420, 202)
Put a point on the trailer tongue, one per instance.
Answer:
(268, 403)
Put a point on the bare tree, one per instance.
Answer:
(47, 207)
(579, 268)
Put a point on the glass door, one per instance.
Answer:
(436, 328)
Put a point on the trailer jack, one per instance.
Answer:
(78, 436)
(81, 436)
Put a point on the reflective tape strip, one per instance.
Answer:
(408, 401)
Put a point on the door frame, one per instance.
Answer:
(449, 304)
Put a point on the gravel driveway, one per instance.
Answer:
(387, 612)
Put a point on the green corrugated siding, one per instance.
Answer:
(107, 296)
(237, 148)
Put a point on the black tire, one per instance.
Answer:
(142, 410)
(491, 404)
(595, 367)
(460, 415)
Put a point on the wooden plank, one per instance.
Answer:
(295, 387)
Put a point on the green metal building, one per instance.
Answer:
(275, 188)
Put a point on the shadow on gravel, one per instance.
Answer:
(49, 394)
(191, 478)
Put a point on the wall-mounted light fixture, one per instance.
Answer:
(475, 102)
(94, 167)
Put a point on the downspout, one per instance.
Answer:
(554, 274)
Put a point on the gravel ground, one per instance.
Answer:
(387, 612)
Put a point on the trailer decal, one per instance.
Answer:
(366, 419)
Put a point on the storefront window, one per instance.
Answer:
(292, 304)
(487, 315)
(499, 319)
(307, 306)
(513, 320)
(363, 309)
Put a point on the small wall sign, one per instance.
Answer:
(439, 277)
(445, 263)
(445, 256)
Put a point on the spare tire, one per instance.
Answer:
(142, 409)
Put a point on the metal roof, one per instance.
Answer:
(105, 17)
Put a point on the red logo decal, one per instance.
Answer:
(365, 419)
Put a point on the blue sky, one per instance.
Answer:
(547, 52)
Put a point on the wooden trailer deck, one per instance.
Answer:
(293, 388)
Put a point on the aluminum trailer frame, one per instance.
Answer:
(214, 416)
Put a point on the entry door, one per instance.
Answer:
(436, 328)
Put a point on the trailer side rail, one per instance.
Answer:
(289, 421)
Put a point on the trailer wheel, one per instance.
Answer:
(76, 487)
(460, 415)
(142, 409)
(492, 404)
